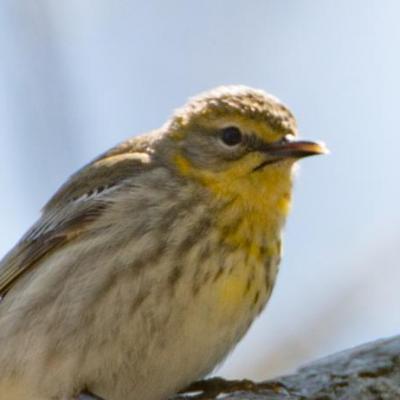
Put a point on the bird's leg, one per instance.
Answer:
(86, 395)
(211, 388)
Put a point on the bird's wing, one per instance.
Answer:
(75, 206)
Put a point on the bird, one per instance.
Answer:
(150, 263)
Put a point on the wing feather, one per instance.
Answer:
(74, 207)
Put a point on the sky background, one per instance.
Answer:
(78, 77)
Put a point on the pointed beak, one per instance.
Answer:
(296, 149)
(288, 147)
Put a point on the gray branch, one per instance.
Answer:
(367, 372)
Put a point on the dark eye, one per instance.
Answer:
(231, 136)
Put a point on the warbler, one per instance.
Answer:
(150, 263)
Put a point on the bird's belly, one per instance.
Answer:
(193, 331)
(145, 337)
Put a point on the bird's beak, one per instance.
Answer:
(297, 149)
(291, 148)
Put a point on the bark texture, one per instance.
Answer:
(367, 372)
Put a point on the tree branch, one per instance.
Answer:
(367, 372)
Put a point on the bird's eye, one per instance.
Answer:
(231, 136)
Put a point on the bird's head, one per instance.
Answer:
(237, 141)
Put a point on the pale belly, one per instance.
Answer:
(151, 346)
(194, 330)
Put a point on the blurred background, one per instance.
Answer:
(76, 77)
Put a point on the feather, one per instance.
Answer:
(75, 206)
